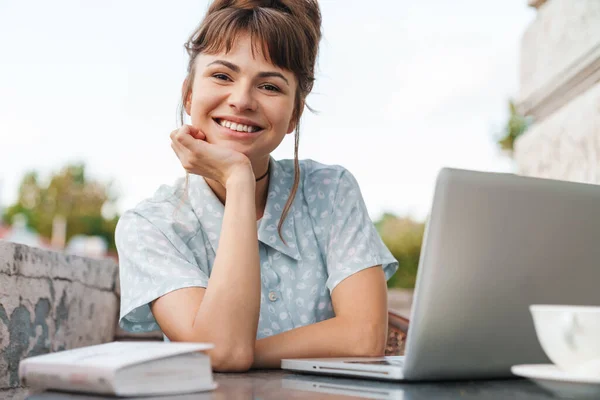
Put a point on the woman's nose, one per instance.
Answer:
(242, 98)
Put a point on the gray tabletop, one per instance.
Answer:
(278, 384)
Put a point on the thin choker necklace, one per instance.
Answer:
(266, 173)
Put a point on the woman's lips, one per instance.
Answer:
(232, 123)
(236, 134)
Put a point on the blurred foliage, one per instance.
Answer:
(516, 125)
(71, 195)
(81, 202)
(403, 237)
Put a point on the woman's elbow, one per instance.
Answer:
(235, 359)
(371, 341)
(225, 356)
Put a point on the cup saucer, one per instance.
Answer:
(565, 384)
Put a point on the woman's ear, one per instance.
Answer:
(186, 95)
(294, 120)
(291, 126)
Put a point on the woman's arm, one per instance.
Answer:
(226, 312)
(359, 327)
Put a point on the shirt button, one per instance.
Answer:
(272, 296)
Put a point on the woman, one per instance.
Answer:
(266, 259)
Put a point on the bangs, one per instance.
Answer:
(272, 34)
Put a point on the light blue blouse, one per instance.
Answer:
(169, 242)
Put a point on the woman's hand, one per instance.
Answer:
(199, 157)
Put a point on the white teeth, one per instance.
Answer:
(238, 127)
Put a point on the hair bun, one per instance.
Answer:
(219, 5)
(298, 8)
(250, 4)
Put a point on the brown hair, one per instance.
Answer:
(288, 32)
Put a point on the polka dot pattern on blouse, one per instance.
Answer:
(169, 242)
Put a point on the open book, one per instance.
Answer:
(122, 369)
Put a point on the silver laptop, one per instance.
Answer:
(494, 243)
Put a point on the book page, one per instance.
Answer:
(118, 354)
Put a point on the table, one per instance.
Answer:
(277, 384)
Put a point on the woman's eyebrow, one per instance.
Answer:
(235, 68)
(273, 75)
(229, 65)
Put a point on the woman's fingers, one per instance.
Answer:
(195, 132)
(199, 157)
(188, 153)
(184, 138)
(181, 152)
(188, 130)
(183, 145)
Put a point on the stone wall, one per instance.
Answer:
(560, 89)
(50, 301)
(566, 145)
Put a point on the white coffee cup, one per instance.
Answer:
(570, 336)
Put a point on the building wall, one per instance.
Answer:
(560, 89)
(52, 301)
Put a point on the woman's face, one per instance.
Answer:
(242, 101)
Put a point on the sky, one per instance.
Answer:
(403, 88)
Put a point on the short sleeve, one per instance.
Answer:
(152, 262)
(353, 242)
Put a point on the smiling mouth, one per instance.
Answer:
(238, 127)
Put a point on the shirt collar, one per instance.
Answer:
(209, 211)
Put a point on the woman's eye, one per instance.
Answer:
(271, 88)
(222, 77)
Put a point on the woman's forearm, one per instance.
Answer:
(231, 302)
(335, 337)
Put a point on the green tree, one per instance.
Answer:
(71, 195)
(516, 125)
(403, 237)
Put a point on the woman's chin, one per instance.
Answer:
(235, 146)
